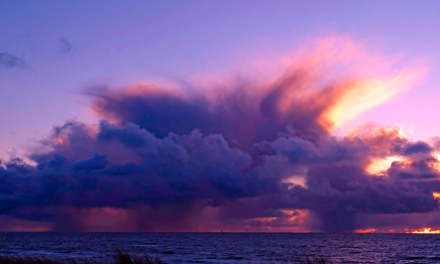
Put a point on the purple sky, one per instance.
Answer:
(51, 52)
(118, 43)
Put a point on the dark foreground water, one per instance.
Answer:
(229, 247)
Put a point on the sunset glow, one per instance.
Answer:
(365, 94)
(220, 132)
(379, 166)
(365, 231)
(427, 231)
(168, 116)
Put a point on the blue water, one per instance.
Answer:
(229, 247)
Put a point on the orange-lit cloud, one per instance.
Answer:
(360, 79)
(380, 138)
(238, 154)
(361, 95)
(379, 165)
(333, 80)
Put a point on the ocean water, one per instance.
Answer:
(229, 247)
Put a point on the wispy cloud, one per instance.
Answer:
(65, 46)
(8, 60)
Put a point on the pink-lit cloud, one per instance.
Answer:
(238, 154)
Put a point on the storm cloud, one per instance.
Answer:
(244, 153)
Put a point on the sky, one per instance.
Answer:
(309, 114)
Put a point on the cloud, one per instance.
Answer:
(313, 96)
(239, 154)
(8, 60)
(174, 170)
(64, 45)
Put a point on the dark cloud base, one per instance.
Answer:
(166, 158)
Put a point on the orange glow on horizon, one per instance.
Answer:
(360, 231)
(427, 231)
(436, 195)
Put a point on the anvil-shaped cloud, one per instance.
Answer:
(236, 154)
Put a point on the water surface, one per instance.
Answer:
(229, 247)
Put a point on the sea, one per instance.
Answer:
(229, 247)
